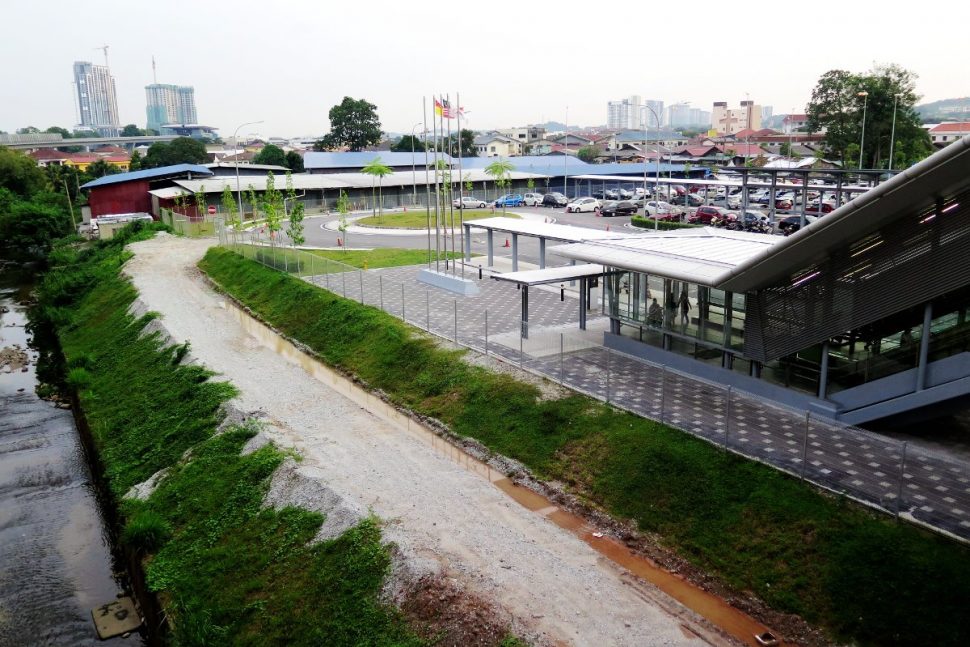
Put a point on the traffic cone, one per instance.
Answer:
(506, 243)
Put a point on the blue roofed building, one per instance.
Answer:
(321, 162)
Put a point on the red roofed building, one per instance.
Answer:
(943, 134)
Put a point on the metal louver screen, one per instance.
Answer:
(910, 261)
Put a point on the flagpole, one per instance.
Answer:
(441, 182)
(451, 182)
(461, 192)
(427, 180)
(437, 240)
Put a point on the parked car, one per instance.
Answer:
(468, 202)
(532, 199)
(814, 208)
(509, 200)
(784, 205)
(755, 221)
(624, 194)
(643, 191)
(791, 224)
(662, 210)
(583, 204)
(687, 200)
(606, 194)
(712, 215)
(618, 208)
(554, 200)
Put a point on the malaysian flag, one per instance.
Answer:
(443, 108)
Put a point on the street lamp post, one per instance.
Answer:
(862, 142)
(235, 143)
(414, 181)
(656, 191)
(892, 137)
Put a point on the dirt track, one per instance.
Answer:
(557, 589)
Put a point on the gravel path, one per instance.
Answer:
(556, 588)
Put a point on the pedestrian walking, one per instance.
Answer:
(685, 307)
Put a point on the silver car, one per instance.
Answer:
(532, 199)
(468, 203)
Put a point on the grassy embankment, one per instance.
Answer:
(862, 576)
(419, 219)
(226, 570)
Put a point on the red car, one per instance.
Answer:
(704, 215)
(826, 208)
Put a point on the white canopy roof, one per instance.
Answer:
(703, 255)
(551, 231)
(551, 274)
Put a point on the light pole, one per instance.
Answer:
(414, 181)
(892, 137)
(235, 143)
(656, 191)
(862, 142)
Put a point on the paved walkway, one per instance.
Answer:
(931, 488)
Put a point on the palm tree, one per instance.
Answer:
(378, 169)
(501, 170)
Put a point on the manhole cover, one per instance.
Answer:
(115, 618)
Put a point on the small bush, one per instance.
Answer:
(146, 531)
(78, 378)
(663, 225)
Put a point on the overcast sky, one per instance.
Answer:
(514, 63)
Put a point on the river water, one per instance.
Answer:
(56, 563)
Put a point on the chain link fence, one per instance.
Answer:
(902, 479)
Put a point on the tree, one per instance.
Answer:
(57, 130)
(100, 168)
(272, 206)
(343, 208)
(229, 207)
(28, 227)
(131, 130)
(405, 144)
(28, 130)
(200, 203)
(378, 169)
(252, 200)
(295, 229)
(837, 108)
(589, 153)
(294, 162)
(785, 149)
(354, 124)
(135, 163)
(182, 150)
(467, 141)
(270, 154)
(501, 171)
(20, 173)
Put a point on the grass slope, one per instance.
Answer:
(226, 570)
(862, 576)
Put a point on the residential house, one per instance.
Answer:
(496, 145)
(947, 133)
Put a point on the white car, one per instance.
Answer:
(468, 203)
(583, 204)
(663, 209)
(532, 199)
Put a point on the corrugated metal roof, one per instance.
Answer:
(525, 162)
(149, 174)
(318, 160)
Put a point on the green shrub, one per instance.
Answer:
(663, 225)
(147, 531)
(78, 378)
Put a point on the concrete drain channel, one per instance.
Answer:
(736, 623)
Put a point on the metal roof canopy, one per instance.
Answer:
(149, 174)
(919, 187)
(704, 255)
(551, 231)
(169, 192)
(846, 188)
(551, 274)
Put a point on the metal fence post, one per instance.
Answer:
(456, 322)
(380, 288)
(805, 442)
(902, 472)
(727, 416)
(403, 317)
(360, 273)
(562, 346)
(521, 353)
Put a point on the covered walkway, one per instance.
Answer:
(560, 275)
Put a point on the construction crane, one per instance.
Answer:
(104, 48)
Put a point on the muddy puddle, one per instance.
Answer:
(55, 558)
(730, 620)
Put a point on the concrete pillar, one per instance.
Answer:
(924, 347)
(823, 377)
(515, 252)
(572, 263)
(542, 252)
(491, 247)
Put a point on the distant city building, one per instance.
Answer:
(678, 115)
(766, 113)
(700, 117)
(525, 135)
(731, 121)
(97, 102)
(624, 113)
(794, 123)
(658, 108)
(170, 104)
